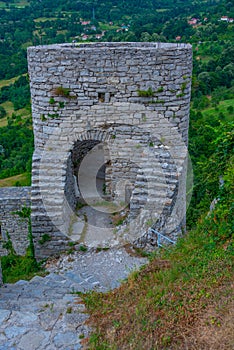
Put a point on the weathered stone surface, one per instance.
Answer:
(46, 314)
(98, 94)
(13, 199)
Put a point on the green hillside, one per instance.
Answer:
(184, 298)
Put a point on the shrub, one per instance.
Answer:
(2, 112)
(16, 267)
(146, 93)
(61, 91)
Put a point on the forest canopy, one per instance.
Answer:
(207, 25)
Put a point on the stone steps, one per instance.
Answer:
(46, 313)
(154, 186)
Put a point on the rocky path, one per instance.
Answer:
(46, 313)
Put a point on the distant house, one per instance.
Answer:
(193, 21)
(98, 36)
(124, 28)
(85, 23)
(84, 37)
(224, 18)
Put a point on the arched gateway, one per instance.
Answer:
(110, 124)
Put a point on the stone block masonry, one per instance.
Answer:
(13, 199)
(133, 98)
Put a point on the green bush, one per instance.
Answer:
(45, 238)
(16, 267)
(62, 91)
(146, 93)
(2, 112)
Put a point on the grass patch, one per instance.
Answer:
(106, 26)
(162, 10)
(24, 113)
(16, 267)
(111, 206)
(20, 3)
(160, 306)
(17, 180)
(83, 248)
(221, 108)
(8, 105)
(44, 19)
(2, 4)
(118, 218)
(6, 82)
(3, 122)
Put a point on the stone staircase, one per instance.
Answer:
(155, 187)
(46, 313)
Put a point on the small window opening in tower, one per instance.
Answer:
(101, 97)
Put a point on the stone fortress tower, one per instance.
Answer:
(110, 123)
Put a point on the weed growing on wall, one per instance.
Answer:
(45, 238)
(146, 93)
(16, 267)
(63, 92)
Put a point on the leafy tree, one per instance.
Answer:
(17, 142)
(2, 112)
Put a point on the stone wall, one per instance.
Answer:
(13, 199)
(131, 97)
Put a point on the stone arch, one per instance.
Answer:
(83, 144)
(144, 206)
